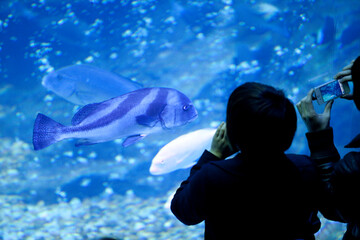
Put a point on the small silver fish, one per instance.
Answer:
(133, 115)
(85, 84)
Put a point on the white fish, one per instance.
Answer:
(182, 152)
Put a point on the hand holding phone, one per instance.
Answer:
(346, 76)
(314, 121)
(331, 90)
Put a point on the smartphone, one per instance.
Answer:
(331, 90)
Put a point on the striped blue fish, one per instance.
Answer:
(132, 116)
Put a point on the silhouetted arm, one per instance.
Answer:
(189, 202)
(324, 154)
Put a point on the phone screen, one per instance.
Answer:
(331, 91)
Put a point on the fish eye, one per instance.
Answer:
(186, 107)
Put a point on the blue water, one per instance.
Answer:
(201, 48)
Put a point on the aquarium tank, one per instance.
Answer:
(62, 60)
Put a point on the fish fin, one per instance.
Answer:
(132, 139)
(146, 120)
(87, 111)
(46, 132)
(84, 142)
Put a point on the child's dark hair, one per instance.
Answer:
(260, 117)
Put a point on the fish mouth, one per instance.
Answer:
(185, 121)
(154, 170)
(193, 117)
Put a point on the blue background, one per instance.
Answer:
(202, 48)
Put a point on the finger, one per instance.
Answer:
(302, 100)
(346, 79)
(225, 130)
(306, 104)
(221, 130)
(348, 96)
(222, 126)
(299, 105)
(328, 107)
(342, 74)
(217, 133)
(349, 66)
(309, 96)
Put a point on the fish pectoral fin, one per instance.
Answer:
(132, 139)
(146, 120)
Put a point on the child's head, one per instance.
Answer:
(260, 117)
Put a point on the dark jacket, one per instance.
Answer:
(262, 197)
(340, 180)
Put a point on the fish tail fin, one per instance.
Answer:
(46, 132)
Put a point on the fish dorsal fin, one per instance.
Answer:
(87, 111)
